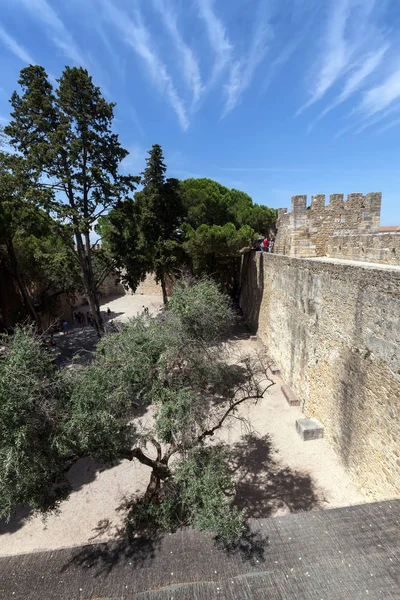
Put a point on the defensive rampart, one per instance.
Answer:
(333, 328)
(341, 229)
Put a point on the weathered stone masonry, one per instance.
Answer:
(333, 328)
(342, 229)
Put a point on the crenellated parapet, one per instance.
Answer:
(344, 227)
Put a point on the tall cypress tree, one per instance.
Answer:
(143, 234)
(160, 212)
(72, 157)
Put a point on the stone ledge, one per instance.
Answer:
(309, 429)
(290, 396)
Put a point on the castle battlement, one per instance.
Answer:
(343, 228)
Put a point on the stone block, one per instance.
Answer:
(290, 396)
(309, 429)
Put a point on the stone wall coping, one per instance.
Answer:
(335, 261)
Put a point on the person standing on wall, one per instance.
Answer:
(265, 245)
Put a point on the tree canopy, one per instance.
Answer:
(32, 244)
(169, 225)
(64, 173)
(143, 233)
(71, 157)
(207, 202)
(218, 223)
(175, 366)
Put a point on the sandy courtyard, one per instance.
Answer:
(277, 472)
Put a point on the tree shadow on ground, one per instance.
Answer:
(80, 343)
(79, 340)
(263, 486)
(250, 547)
(103, 557)
(21, 514)
(236, 332)
(81, 473)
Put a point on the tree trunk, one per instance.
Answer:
(84, 253)
(164, 289)
(20, 281)
(154, 486)
(95, 310)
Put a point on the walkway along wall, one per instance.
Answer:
(333, 328)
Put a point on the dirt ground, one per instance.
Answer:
(277, 473)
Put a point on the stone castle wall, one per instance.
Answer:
(333, 329)
(149, 286)
(342, 229)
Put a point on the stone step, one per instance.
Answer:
(309, 429)
(290, 396)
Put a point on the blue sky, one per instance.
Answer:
(274, 97)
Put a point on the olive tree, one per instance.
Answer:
(177, 366)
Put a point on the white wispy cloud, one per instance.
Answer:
(376, 118)
(354, 82)
(115, 56)
(382, 96)
(390, 125)
(343, 47)
(137, 36)
(191, 70)
(283, 56)
(358, 77)
(59, 34)
(335, 55)
(243, 70)
(218, 37)
(341, 131)
(15, 47)
(356, 127)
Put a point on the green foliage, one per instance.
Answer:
(173, 365)
(124, 242)
(104, 394)
(206, 489)
(70, 157)
(207, 202)
(98, 414)
(67, 136)
(153, 177)
(219, 222)
(171, 225)
(207, 242)
(33, 244)
(202, 308)
(48, 265)
(262, 218)
(143, 234)
(199, 493)
(33, 398)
